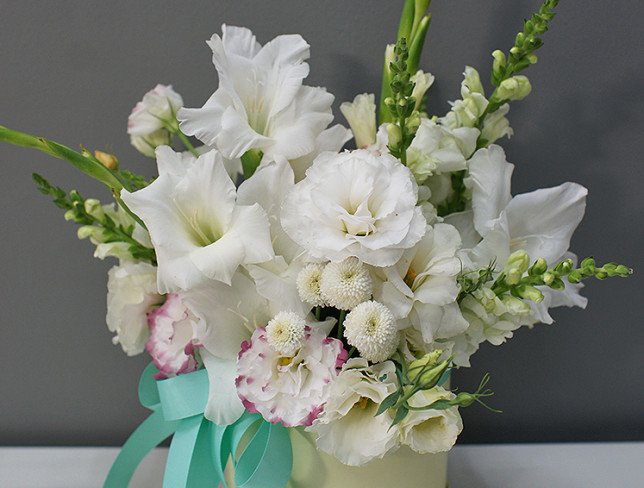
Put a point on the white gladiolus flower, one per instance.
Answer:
(348, 427)
(261, 103)
(346, 284)
(198, 230)
(146, 145)
(371, 328)
(308, 284)
(431, 431)
(437, 149)
(421, 288)
(285, 332)
(355, 204)
(361, 116)
(131, 294)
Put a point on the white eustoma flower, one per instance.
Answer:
(292, 388)
(261, 103)
(371, 328)
(437, 149)
(361, 116)
(348, 427)
(170, 344)
(198, 230)
(131, 295)
(147, 124)
(332, 139)
(431, 431)
(355, 204)
(421, 287)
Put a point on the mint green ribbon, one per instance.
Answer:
(200, 449)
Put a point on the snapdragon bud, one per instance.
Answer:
(394, 134)
(548, 278)
(514, 305)
(499, 61)
(94, 208)
(515, 88)
(516, 265)
(472, 80)
(95, 233)
(528, 292)
(539, 267)
(564, 267)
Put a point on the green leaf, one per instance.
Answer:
(401, 413)
(388, 402)
(89, 166)
(250, 162)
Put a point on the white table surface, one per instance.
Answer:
(591, 465)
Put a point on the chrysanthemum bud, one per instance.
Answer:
(346, 284)
(371, 328)
(286, 332)
(308, 284)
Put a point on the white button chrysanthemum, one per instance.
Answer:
(308, 284)
(346, 284)
(285, 332)
(371, 328)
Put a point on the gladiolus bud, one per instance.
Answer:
(106, 159)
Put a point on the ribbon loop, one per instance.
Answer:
(200, 450)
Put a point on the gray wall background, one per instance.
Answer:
(73, 70)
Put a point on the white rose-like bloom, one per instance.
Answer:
(131, 294)
(199, 231)
(371, 328)
(355, 204)
(285, 333)
(431, 431)
(261, 103)
(308, 284)
(346, 284)
(348, 427)
(290, 390)
(361, 115)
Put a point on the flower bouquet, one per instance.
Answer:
(303, 305)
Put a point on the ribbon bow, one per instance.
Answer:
(200, 449)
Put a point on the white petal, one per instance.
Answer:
(224, 406)
(543, 221)
(489, 178)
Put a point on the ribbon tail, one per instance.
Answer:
(146, 437)
(190, 459)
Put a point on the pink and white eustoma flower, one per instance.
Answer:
(288, 389)
(261, 103)
(355, 204)
(170, 344)
(199, 231)
(147, 124)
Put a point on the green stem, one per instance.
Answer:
(343, 314)
(186, 142)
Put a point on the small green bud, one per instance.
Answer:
(465, 399)
(575, 276)
(514, 305)
(564, 267)
(548, 278)
(601, 275)
(429, 360)
(557, 284)
(623, 271)
(93, 232)
(395, 135)
(539, 267)
(70, 215)
(588, 263)
(528, 292)
(413, 122)
(515, 88)
(94, 208)
(532, 58)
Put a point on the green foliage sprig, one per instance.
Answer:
(471, 281)
(110, 231)
(424, 374)
(520, 56)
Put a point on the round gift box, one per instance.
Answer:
(401, 469)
